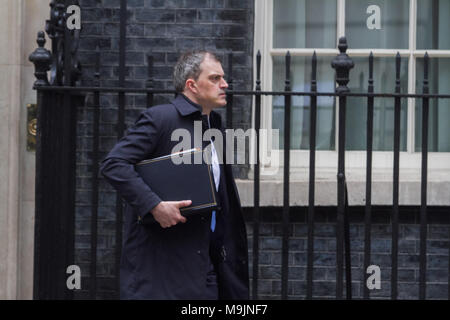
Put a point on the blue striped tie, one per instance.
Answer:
(213, 220)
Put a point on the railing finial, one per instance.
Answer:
(342, 63)
(41, 59)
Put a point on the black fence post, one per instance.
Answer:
(368, 208)
(423, 203)
(396, 171)
(312, 174)
(95, 169)
(120, 132)
(256, 181)
(286, 165)
(342, 63)
(41, 58)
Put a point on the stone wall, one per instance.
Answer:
(20, 21)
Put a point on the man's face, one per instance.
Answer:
(211, 84)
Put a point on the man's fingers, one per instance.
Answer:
(172, 216)
(184, 203)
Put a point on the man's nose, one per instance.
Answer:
(223, 84)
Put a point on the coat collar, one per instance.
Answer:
(187, 107)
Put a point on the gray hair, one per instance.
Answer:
(188, 67)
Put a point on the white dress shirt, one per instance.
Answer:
(215, 163)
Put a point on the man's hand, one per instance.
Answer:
(167, 213)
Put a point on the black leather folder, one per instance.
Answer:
(183, 181)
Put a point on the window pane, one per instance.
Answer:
(439, 109)
(301, 81)
(433, 24)
(383, 122)
(378, 24)
(304, 24)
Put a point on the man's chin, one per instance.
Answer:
(221, 104)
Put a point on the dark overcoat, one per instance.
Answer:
(172, 263)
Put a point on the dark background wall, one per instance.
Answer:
(324, 274)
(164, 28)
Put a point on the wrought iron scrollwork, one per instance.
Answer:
(55, 30)
(65, 68)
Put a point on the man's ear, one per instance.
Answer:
(191, 85)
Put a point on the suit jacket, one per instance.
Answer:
(172, 263)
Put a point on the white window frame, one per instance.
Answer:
(328, 159)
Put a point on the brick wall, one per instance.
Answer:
(163, 29)
(324, 271)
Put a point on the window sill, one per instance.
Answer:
(271, 188)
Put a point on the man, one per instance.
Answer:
(200, 257)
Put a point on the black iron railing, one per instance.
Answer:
(55, 186)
